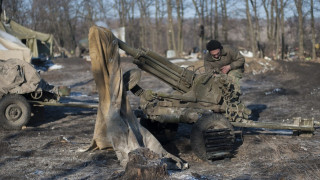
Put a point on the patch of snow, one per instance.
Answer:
(2, 47)
(304, 148)
(177, 60)
(184, 177)
(11, 38)
(77, 94)
(246, 53)
(193, 60)
(55, 66)
(267, 58)
(87, 58)
(38, 172)
(171, 54)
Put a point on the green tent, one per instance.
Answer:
(39, 43)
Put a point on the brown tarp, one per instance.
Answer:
(37, 42)
(116, 126)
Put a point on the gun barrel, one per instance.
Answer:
(179, 78)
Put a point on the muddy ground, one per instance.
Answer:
(48, 148)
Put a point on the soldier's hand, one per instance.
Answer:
(225, 69)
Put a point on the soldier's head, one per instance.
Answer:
(214, 47)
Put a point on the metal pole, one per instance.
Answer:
(79, 105)
(274, 126)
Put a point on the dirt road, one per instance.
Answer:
(48, 148)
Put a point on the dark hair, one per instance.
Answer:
(214, 44)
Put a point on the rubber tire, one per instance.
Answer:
(23, 106)
(217, 121)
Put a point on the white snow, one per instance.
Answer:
(246, 53)
(55, 66)
(2, 47)
(11, 38)
(177, 60)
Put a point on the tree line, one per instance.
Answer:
(265, 27)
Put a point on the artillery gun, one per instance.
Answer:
(209, 101)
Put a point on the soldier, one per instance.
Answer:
(225, 60)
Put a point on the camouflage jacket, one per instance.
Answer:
(229, 56)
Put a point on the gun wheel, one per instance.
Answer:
(212, 137)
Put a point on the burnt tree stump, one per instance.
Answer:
(145, 164)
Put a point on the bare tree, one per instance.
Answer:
(216, 20)
(270, 8)
(275, 25)
(160, 12)
(256, 19)
(179, 4)
(299, 5)
(225, 19)
(170, 32)
(157, 26)
(272, 20)
(15, 9)
(251, 30)
(313, 39)
(0, 6)
(256, 34)
(277, 30)
(201, 26)
(62, 19)
(142, 22)
(282, 5)
(211, 19)
(123, 7)
(132, 27)
(266, 4)
(69, 21)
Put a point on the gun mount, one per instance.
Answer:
(197, 93)
(198, 98)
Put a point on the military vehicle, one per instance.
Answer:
(21, 89)
(209, 102)
(20, 82)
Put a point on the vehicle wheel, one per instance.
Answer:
(14, 111)
(164, 132)
(212, 137)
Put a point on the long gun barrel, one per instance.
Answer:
(179, 78)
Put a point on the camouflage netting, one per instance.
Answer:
(116, 126)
